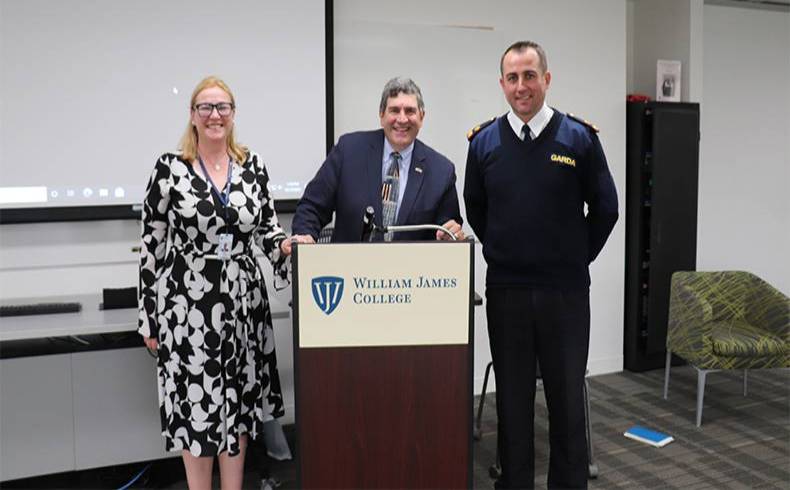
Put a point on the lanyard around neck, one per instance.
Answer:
(224, 196)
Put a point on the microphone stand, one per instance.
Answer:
(397, 228)
(369, 227)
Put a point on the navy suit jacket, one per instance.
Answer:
(349, 180)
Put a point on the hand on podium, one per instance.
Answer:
(286, 246)
(453, 228)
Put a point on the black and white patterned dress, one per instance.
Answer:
(217, 368)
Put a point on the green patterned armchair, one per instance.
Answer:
(726, 320)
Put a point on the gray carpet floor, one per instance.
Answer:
(744, 442)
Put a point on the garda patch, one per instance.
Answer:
(562, 159)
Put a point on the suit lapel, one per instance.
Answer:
(373, 182)
(416, 176)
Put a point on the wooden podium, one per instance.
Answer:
(383, 364)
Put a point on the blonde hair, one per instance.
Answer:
(189, 141)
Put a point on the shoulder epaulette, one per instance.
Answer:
(473, 132)
(584, 121)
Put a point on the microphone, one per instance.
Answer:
(368, 224)
(369, 227)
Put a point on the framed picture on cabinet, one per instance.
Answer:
(668, 80)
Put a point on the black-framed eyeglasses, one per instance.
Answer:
(223, 109)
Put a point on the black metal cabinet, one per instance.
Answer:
(662, 168)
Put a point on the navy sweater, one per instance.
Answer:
(525, 202)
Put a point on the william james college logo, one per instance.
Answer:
(327, 291)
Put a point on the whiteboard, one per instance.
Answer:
(93, 91)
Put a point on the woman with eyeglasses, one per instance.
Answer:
(202, 298)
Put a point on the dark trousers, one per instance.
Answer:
(525, 326)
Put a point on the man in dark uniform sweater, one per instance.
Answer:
(529, 175)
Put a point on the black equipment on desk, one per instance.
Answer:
(113, 298)
(40, 308)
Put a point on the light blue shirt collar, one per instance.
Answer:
(403, 168)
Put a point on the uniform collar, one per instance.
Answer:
(536, 125)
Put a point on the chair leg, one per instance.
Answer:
(666, 373)
(477, 433)
(592, 467)
(745, 372)
(700, 393)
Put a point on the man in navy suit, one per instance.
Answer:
(359, 171)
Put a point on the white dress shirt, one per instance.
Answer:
(537, 124)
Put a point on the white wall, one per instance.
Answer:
(453, 54)
(744, 209)
(743, 214)
(736, 63)
(665, 30)
(52, 259)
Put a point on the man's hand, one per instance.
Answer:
(286, 245)
(454, 228)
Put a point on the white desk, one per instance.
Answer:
(87, 407)
(91, 320)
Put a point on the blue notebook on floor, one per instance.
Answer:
(657, 439)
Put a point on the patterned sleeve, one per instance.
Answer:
(153, 244)
(269, 234)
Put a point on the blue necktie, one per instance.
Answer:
(389, 193)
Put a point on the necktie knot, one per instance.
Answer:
(394, 169)
(526, 133)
